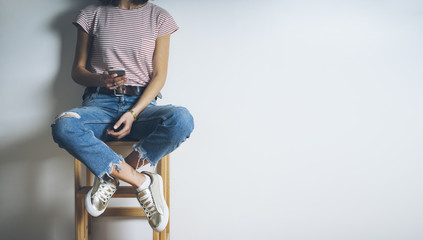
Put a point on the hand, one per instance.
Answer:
(127, 119)
(111, 81)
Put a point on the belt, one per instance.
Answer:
(120, 91)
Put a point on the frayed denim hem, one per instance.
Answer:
(142, 154)
(113, 164)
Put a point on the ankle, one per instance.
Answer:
(139, 179)
(145, 184)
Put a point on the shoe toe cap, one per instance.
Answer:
(158, 222)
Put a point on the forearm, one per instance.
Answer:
(85, 78)
(152, 90)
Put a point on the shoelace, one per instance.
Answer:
(105, 191)
(147, 204)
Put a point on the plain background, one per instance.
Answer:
(308, 120)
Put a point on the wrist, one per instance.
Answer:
(100, 80)
(134, 114)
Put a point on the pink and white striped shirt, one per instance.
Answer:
(125, 38)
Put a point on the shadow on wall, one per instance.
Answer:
(37, 188)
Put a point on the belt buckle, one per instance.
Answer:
(121, 91)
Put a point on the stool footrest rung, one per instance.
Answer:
(124, 211)
(122, 192)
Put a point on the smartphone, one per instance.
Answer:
(119, 71)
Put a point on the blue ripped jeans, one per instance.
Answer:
(82, 131)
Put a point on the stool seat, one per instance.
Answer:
(83, 219)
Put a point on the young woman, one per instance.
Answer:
(134, 36)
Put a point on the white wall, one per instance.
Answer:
(308, 120)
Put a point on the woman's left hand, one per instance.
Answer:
(127, 119)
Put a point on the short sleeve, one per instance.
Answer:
(85, 19)
(166, 24)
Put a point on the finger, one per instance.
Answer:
(110, 76)
(116, 84)
(126, 129)
(119, 134)
(107, 73)
(108, 80)
(112, 87)
(112, 133)
(123, 130)
(122, 135)
(118, 123)
(119, 83)
(119, 79)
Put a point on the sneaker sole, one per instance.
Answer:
(90, 209)
(162, 225)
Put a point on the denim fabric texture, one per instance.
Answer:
(82, 132)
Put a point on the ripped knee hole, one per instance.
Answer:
(67, 114)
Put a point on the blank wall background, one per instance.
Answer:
(308, 120)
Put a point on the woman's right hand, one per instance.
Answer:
(111, 81)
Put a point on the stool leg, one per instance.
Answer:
(81, 220)
(156, 235)
(89, 177)
(81, 215)
(168, 194)
(164, 172)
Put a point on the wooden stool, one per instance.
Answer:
(83, 219)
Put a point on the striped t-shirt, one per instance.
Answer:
(125, 38)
